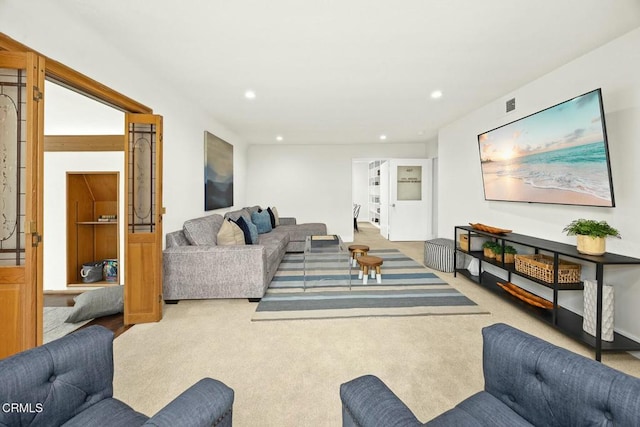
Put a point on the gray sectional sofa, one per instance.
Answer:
(196, 267)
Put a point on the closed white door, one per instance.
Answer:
(410, 199)
(384, 199)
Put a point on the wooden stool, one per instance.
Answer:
(357, 250)
(367, 263)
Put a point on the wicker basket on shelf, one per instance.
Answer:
(540, 267)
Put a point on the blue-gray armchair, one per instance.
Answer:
(528, 382)
(69, 382)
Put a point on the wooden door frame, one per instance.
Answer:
(78, 82)
(67, 77)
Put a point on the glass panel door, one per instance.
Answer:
(21, 111)
(143, 246)
(13, 109)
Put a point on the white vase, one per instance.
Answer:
(590, 299)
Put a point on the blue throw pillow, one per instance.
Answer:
(253, 231)
(272, 217)
(245, 229)
(262, 220)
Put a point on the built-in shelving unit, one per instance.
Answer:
(559, 317)
(92, 225)
(374, 192)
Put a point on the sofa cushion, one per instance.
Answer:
(262, 220)
(176, 238)
(252, 209)
(234, 215)
(203, 231)
(482, 409)
(230, 234)
(300, 232)
(107, 412)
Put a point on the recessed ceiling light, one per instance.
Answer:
(383, 137)
(279, 138)
(250, 94)
(436, 94)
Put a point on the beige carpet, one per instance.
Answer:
(288, 373)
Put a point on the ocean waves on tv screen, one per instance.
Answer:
(581, 169)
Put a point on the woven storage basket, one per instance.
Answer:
(541, 267)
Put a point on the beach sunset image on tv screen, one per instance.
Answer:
(558, 155)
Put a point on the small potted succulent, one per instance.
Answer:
(497, 252)
(591, 235)
(509, 254)
(487, 248)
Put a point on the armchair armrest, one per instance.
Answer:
(368, 402)
(206, 403)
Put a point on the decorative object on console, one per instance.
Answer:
(218, 173)
(509, 254)
(540, 267)
(526, 296)
(487, 248)
(504, 254)
(591, 235)
(489, 228)
(477, 241)
(589, 318)
(497, 252)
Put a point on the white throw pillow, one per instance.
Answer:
(230, 234)
(275, 214)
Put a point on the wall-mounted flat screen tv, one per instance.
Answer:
(559, 155)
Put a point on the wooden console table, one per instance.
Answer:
(562, 319)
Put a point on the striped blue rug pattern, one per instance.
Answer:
(407, 289)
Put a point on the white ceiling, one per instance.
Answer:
(348, 71)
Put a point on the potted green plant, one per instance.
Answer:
(487, 248)
(497, 252)
(590, 235)
(509, 254)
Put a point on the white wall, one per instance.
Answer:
(313, 182)
(360, 190)
(615, 68)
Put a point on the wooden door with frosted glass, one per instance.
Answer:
(21, 190)
(143, 237)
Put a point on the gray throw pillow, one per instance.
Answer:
(97, 303)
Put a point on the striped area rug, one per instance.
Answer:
(407, 289)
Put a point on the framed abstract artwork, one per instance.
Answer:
(218, 173)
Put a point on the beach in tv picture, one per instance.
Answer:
(558, 155)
